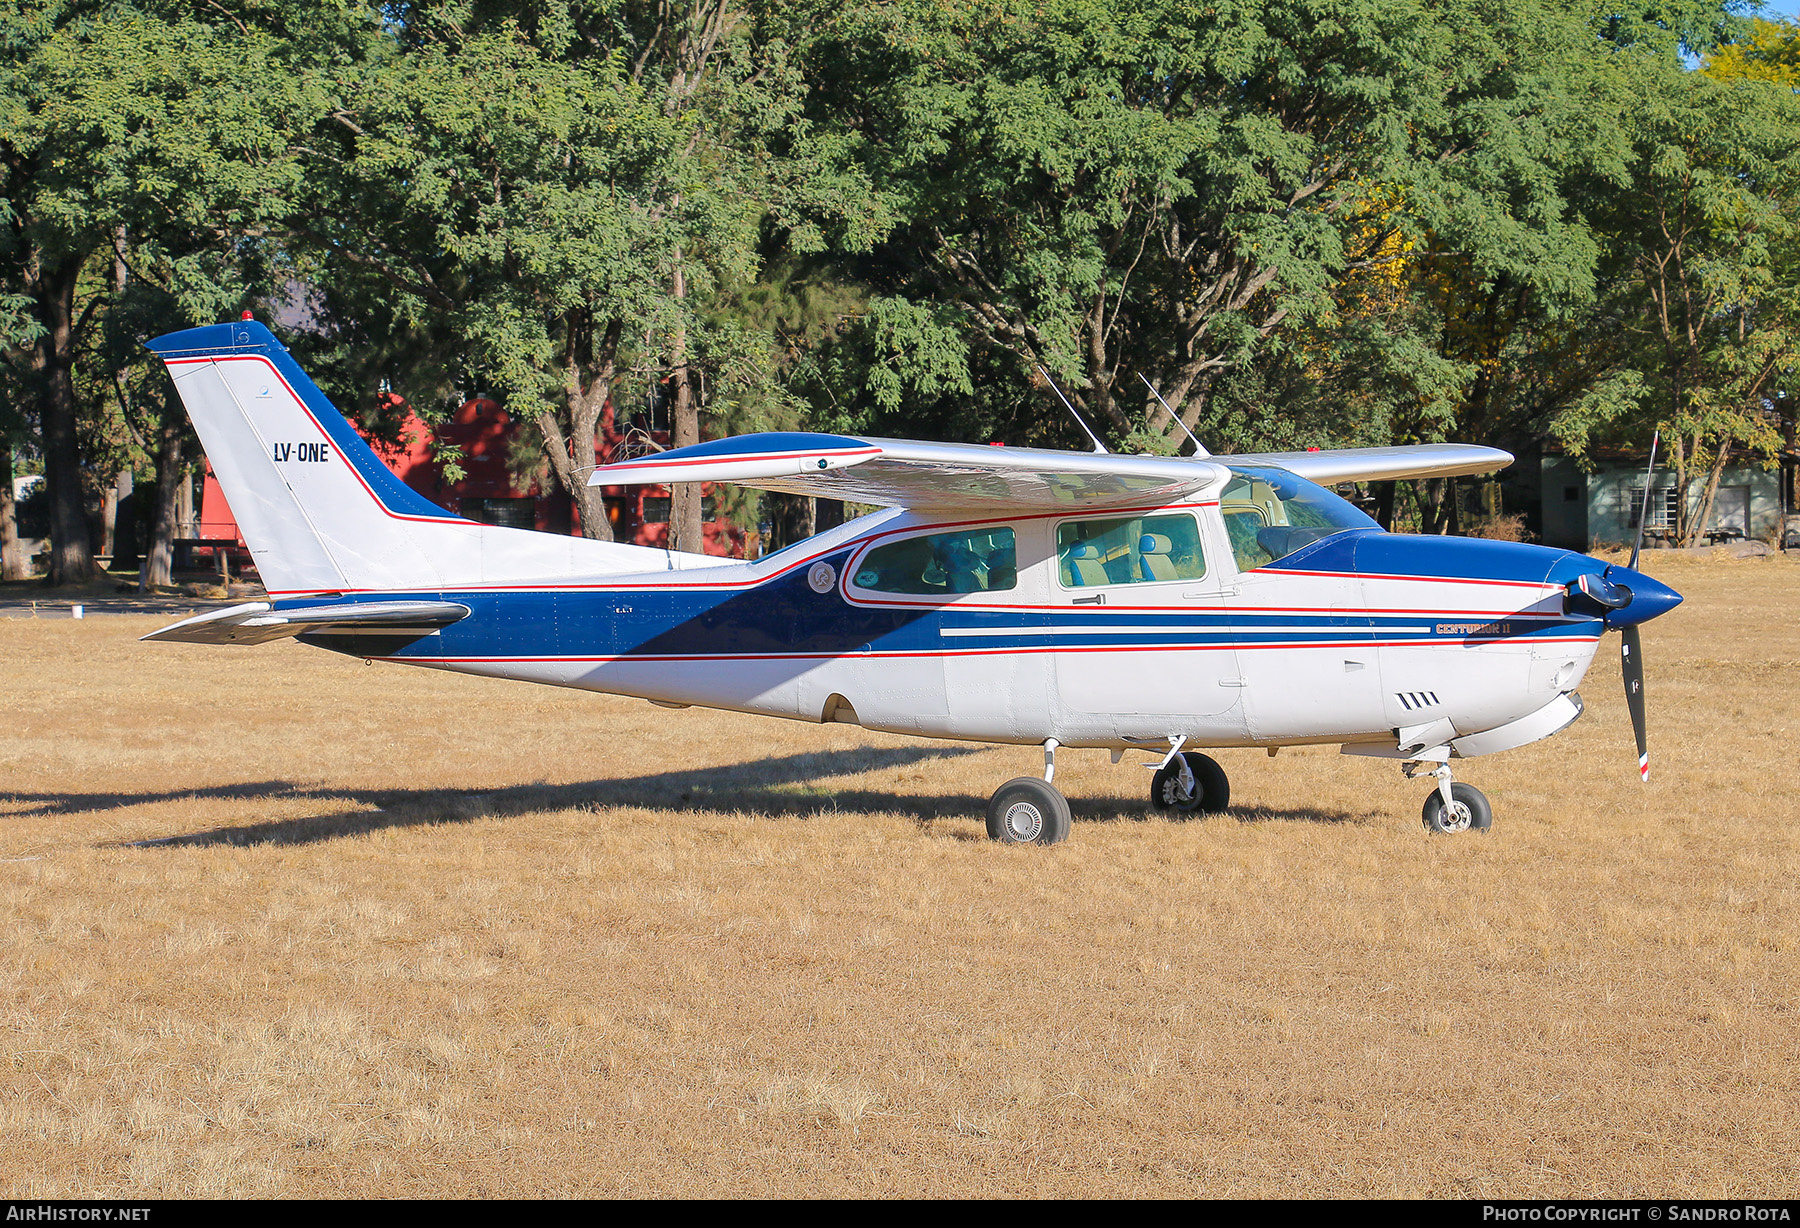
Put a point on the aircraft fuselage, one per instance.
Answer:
(1347, 640)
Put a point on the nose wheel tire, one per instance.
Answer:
(1027, 810)
(1469, 811)
(1211, 794)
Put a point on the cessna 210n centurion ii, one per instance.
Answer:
(1006, 595)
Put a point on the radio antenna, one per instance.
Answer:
(1199, 448)
(1098, 446)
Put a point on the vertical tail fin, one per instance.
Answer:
(319, 510)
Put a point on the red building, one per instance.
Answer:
(488, 491)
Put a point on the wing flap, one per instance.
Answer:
(258, 622)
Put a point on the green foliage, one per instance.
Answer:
(1308, 222)
(1186, 190)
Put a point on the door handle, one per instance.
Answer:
(1096, 599)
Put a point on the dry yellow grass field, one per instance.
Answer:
(435, 935)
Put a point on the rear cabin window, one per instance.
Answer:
(943, 564)
(1128, 550)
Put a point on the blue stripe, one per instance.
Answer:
(784, 617)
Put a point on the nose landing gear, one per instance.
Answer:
(1190, 782)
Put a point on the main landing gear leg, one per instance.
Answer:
(1451, 807)
(1026, 810)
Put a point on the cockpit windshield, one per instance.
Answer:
(1270, 513)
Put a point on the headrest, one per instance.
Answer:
(1084, 551)
(1154, 543)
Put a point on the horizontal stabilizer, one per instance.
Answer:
(258, 622)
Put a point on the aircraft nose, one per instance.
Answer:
(1649, 598)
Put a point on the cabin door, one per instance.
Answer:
(1138, 619)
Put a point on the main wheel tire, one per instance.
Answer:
(1212, 794)
(1470, 811)
(1026, 810)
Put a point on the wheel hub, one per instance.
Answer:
(1458, 817)
(1024, 822)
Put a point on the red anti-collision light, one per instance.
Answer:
(247, 316)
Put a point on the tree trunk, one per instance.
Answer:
(685, 531)
(109, 519)
(122, 529)
(125, 528)
(1384, 504)
(159, 558)
(187, 521)
(587, 387)
(1710, 493)
(52, 361)
(12, 552)
(1686, 451)
(571, 470)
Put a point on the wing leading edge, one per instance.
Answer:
(1419, 460)
(908, 473)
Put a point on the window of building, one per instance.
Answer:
(943, 564)
(508, 513)
(1128, 550)
(656, 509)
(1664, 506)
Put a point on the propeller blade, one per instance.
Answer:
(1631, 660)
(1644, 511)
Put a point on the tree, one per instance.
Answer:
(146, 120)
(1712, 250)
(1170, 189)
(557, 191)
(1770, 52)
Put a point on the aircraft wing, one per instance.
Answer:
(907, 473)
(258, 622)
(1420, 460)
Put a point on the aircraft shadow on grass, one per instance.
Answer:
(789, 787)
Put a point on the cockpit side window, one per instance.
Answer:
(943, 564)
(1270, 513)
(1128, 550)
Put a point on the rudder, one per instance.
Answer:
(318, 509)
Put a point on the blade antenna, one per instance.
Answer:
(1644, 511)
(1098, 446)
(1199, 448)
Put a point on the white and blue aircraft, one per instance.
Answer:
(1003, 595)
